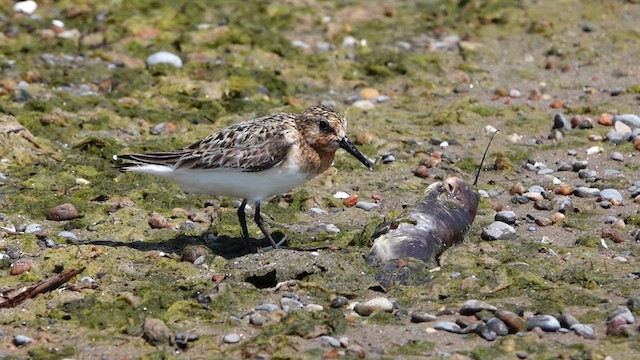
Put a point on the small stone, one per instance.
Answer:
(508, 217)
(632, 120)
(567, 320)
(584, 192)
(192, 253)
(543, 204)
(339, 301)
(313, 308)
(515, 94)
(288, 304)
(32, 228)
(614, 137)
(267, 307)
(369, 93)
(21, 340)
(611, 194)
(164, 57)
(624, 313)
(376, 304)
(232, 338)
(622, 128)
(561, 122)
(187, 226)
(586, 331)
(514, 322)
(350, 201)
(616, 156)
(20, 266)
(156, 332)
(367, 206)
(517, 188)
(558, 217)
(364, 104)
(317, 211)
(473, 306)
(448, 326)
(497, 326)
(594, 150)
(158, 222)
(605, 119)
(256, 319)
(498, 231)
(63, 212)
(420, 317)
(547, 323)
(341, 195)
(331, 341)
(421, 171)
(26, 7)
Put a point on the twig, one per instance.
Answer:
(50, 284)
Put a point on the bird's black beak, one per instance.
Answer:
(346, 144)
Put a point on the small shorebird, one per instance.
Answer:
(253, 160)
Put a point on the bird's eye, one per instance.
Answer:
(324, 125)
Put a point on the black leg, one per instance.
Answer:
(260, 223)
(243, 223)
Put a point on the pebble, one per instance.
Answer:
(267, 307)
(614, 137)
(632, 120)
(586, 331)
(561, 122)
(188, 226)
(232, 338)
(156, 332)
(313, 308)
(164, 57)
(543, 204)
(448, 326)
(506, 216)
(364, 104)
(623, 313)
(376, 304)
(594, 150)
(519, 199)
(32, 228)
(317, 211)
(547, 323)
(289, 304)
(256, 319)
(578, 165)
(331, 228)
(513, 322)
(497, 326)
(66, 211)
(21, 340)
(545, 171)
(20, 266)
(588, 175)
(330, 340)
(341, 195)
(368, 93)
(367, 206)
(584, 192)
(300, 44)
(610, 195)
(26, 7)
(498, 231)
(622, 128)
(350, 201)
(473, 306)
(387, 158)
(338, 302)
(420, 317)
(158, 222)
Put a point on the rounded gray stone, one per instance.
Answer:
(546, 323)
(498, 231)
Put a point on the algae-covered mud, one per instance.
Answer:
(548, 269)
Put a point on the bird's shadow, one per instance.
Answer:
(225, 246)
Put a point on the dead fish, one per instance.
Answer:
(437, 221)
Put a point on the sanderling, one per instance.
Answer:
(253, 160)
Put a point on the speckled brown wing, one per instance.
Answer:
(252, 146)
